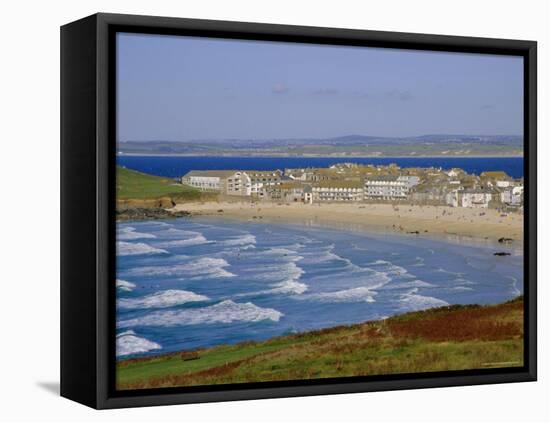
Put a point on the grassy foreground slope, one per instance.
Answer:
(447, 338)
(136, 185)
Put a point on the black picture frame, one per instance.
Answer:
(88, 206)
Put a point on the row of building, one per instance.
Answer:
(348, 182)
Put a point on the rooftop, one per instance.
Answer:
(211, 173)
(385, 178)
(339, 184)
(494, 174)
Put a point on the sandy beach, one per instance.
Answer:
(485, 224)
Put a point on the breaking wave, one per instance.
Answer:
(361, 294)
(238, 240)
(161, 299)
(287, 287)
(136, 248)
(277, 272)
(128, 233)
(196, 238)
(410, 284)
(224, 312)
(129, 343)
(412, 301)
(390, 268)
(125, 285)
(203, 267)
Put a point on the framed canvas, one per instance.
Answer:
(258, 211)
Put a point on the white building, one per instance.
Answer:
(262, 181)
(389, 187)
(238, 183)
(337, 191)
(512, 196)
(233, 182)
(292, 191)
(472, 198)
(503, 184)
(230, 182)
(207, 180)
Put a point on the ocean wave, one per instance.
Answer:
(128, 233)
(417, 283)
(449, 272)
(161, 299)
(159, 223)
(136, 248)
(391, 268)
(287, 287)
(356, 276)
(360, 294)
(176, 233)
(205, 266)
(196, 239)
(419, 262)
(247, 247)
(125, 285)
(514, 288)
(129, 343)
(412, 301)
(323, 256)
(285, 250)
(287, 270)
(461, 288)
(238, 240)
(224, 312)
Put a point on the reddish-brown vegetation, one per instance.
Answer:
(462, 324)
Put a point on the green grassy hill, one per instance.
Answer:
(135, 185)
(447, 338)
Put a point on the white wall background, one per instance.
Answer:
(29, 167)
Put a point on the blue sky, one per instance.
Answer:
(185, 88)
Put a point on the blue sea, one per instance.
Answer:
(174, 167)
(190, 283)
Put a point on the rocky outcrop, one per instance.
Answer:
(161, 202)
(147, 213)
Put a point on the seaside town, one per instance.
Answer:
(350, 182)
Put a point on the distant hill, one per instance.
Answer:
(348, 145)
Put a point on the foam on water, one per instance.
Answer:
(514, 288)
(390, 268)
(161, 299)
(360, 294)
(196, 238)
(239, 240)
(136, 248)
(324, 255)
(224, 312)
(129, 343)
(128, 233)
(412, 301)
(172, 232)
(277, 272)
(202, 267)
(409, 284)
(235, 275)
(125, 285)
(285, 250)
(286, 287)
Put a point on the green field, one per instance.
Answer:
(447, 338)
(135, 185)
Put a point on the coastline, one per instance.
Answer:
(474, 224)
(488, 336)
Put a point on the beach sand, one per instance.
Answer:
(427, 220)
